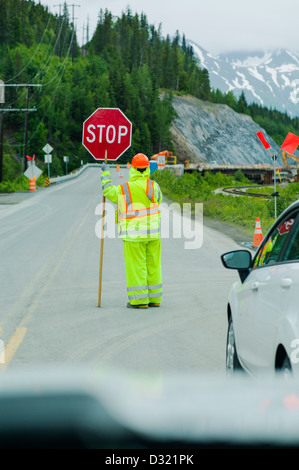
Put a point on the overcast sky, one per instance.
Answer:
(216, 25)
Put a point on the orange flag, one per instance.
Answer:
(263, 140)
(290, 143)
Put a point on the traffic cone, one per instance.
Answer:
(121, 175)
(32, 185)
(258, 235)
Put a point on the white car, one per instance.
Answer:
(263, 306)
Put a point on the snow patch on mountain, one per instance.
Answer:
(295, 96)
(252, 61)
(268, 78)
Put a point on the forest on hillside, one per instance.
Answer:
(127, 64)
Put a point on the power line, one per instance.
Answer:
(61, 71)
(45, 61)
(73, 21)
(50, 55)
(7, 110)
(19, 84)
(52, 95)
(63, 65)
(26, 110)
(36, 50)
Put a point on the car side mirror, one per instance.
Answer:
(240, 260)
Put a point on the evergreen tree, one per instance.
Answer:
(128, 64)
(242, 106)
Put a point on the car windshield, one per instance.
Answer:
(133, 172)
(50, 317)
(292, 252)
(271, 250)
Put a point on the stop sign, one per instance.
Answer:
(107, 130)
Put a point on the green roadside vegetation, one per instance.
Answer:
(20, 184)
(14, 178)
(238, 211)
(127, 64)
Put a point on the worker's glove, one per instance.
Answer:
(105, 167)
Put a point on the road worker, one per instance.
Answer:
(139, 226)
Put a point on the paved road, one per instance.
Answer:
(49, 276)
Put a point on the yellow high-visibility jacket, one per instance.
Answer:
(137, 205)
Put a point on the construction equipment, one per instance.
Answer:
(288, 155)
(295, 178)
(170, 159)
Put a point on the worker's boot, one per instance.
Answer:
(137, 306)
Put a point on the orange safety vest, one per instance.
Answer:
(138, 213)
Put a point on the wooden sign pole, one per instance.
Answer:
(102, 246)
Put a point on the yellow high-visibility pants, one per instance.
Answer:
(143, 271)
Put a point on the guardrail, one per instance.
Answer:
(63, 179)
(177, 169)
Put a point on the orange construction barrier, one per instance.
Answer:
(32, 185)
(258, 235)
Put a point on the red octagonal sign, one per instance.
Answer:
(109, 131)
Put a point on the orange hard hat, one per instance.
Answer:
(140, 161)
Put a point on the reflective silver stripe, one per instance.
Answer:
(139, 232)
(127, 195)
(132, 214)
(107, 177)
(159, 193)
(150, 190)
(154, 295)
(146, 211)
(104, 186)
(138, 296)
(153, 210)
(129, 289)
(150, 287)
(156, 286)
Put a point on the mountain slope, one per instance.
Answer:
(269, 79)
(206, 132)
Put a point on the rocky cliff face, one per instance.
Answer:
(207, 132)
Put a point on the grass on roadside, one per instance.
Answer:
(240, 211)
(20, 184)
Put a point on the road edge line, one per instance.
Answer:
(12, 346)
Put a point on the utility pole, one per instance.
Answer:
(26, 129)
(60, 28)
(1, 144)
(87, 30)
(27, 110)
(83, 38)
(73, 22)
(2, 101)
(73, 35)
